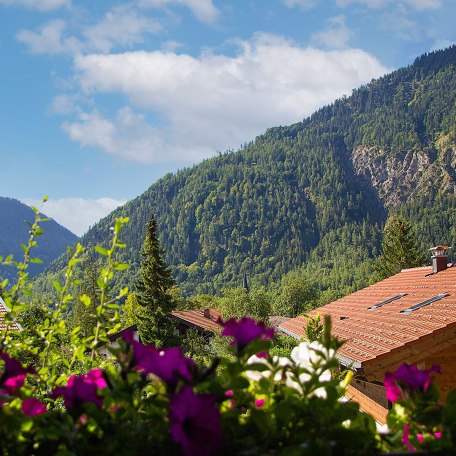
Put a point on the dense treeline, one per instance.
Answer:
(294, 200)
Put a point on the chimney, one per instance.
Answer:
(207, 313)
(439, 258)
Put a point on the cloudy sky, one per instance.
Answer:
(99, 99)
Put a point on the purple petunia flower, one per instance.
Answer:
(410, 377)
(245, 330)
(33, 407)
(82, 388)
(14, 374)
(169, 364)
(195, 422)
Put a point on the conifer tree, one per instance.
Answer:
(399, 248)
(153, 295)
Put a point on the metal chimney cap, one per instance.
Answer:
(440, 250)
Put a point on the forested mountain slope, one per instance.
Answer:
(14, 231)
(314, 194)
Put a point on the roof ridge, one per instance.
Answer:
(419, 268)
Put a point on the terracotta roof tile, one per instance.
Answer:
(205, 319)
(372, 333)
(3, 310)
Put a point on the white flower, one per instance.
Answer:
(312, 357)
(278, 365)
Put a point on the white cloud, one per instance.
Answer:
(418, 4)
(128, 136)
(368, 3)
(49, 39)
(335, 36)
(120, 26)
(76, 214)
(212, 102)
(424, 4)
(204, 10)
(41, 5)
(65, 104)
(305, 4)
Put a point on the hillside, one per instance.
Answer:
(314, 194)
(14, 231)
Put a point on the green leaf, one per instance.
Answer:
(101, 250)
(36, 261)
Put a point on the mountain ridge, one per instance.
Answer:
(14, 231)
(267, 208)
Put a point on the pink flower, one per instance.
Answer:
(169, 364)
(245, 330)
(229, 393)
(33, 407)
(409, 377)
(82, 388)
(393, 392)
(14, 374)
(259, 403)
(406, 438)
(195, 422)
(438, 435)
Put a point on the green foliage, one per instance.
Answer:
(238, 302)
(153, 295)
(399, 248)
(297, 296)
(197, 346)
(148, 401)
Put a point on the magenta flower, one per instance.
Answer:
(393, 392)
(259, 402)
(82, 388)
(13, 376)
(195, 422)
(409, 377)
(245, 331)
(33, 407)
(169, 364)
(406, 438)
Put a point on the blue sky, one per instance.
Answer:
(99, 99)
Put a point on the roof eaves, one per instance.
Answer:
(289, 332)
(191, 324)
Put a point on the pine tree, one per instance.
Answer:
(399, 248)
(154, 296)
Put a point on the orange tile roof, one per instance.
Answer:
(197, 318)
(374, 333)
(12, 325)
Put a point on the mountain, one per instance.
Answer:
(14, 231)
(313, 195)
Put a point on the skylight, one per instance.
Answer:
(424, 303)
(387, 301)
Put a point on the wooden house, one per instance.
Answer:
(407, 318)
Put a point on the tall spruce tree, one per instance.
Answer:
(153, 292)
(399, 248)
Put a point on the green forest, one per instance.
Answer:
(309, 200)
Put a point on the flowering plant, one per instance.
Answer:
(418, 419)
(143, 399)
(159, 400)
